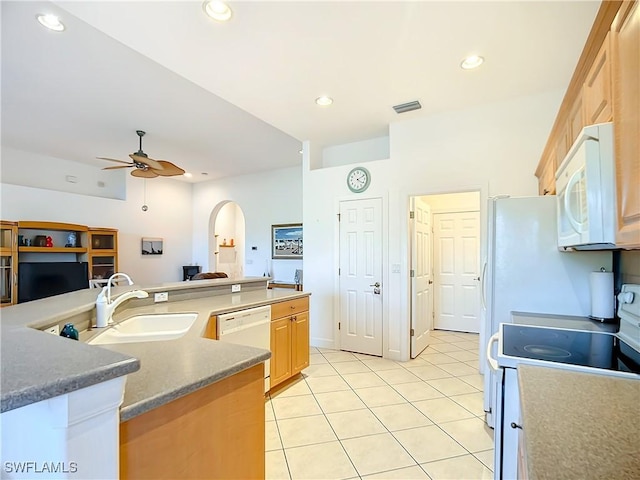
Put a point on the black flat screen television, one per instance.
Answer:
(45, 279)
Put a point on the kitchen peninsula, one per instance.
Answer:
(171, 375)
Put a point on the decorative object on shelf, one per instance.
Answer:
(231, 243)
(71, 240)
(286, 241)
(48, 242)
(224, 242)
(145, 166)
(70, 331)
(358, 179)
(40, 241)
(152, 246)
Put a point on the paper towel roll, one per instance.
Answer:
(602, 295)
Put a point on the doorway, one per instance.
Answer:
(360, 276)
(227, 239)
(444, 250)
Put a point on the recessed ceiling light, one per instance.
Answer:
(187, 174)
(51, 22)
(474, 61)
(324, 101)
(218, 10)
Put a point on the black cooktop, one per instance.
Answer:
(589, 349)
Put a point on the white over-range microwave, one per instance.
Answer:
(586, 196)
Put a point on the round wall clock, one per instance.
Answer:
(358, 179)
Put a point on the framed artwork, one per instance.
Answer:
(286, 241)
(152, 246)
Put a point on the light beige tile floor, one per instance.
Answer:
(354, 416)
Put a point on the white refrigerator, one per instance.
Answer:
(524, 271)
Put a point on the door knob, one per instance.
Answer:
(377, 285)
(477, 279)
(430, 282)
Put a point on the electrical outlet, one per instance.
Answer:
(161, 297)
(55, 330)
(235, 288)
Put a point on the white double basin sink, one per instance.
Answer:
(146, 328)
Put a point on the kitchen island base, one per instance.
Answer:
(215, 432)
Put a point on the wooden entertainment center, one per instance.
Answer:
(29, 241)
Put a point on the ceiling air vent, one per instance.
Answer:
(407, 107)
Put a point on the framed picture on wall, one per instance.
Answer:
(286, 241)
(152, 246)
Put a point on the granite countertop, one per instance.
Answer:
(579, 425)
(37, 366)
(563, 321)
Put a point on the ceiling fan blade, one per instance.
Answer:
(147, 161)
(138, 172)
(119, 166)
(113, 160)
(169, 169)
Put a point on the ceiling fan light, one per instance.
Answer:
(51, 22)
(218, 10)
(187, 174)
(474, 61)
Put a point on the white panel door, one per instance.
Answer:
(456, 267)
(421, 280)
(361, 276)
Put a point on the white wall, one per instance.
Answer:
(494, 149)
(39, 171)
(453, 202)
(362, 151)
(168, 217)
(265, 198)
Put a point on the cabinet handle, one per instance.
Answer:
(515, 425)
(546, 192)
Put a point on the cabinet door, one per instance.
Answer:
(626, 67)
(280, 350)
(300, 342)
(547, 179)
(8, 262)
(597, 87)
(576, 121)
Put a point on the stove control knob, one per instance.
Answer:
(625, 297)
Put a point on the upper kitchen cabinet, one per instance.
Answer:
(546, 174)
(625, 34)
(587, 99)
(597, 87)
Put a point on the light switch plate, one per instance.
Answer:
(235, 288)
(161, 297)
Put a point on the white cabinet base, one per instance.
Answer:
(71, 436)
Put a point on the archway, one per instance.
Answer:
(226, 242)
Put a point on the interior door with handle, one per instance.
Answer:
(422, 275)
(361, 276)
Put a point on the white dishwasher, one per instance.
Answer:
(250, 327)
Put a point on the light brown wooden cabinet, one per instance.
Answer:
(8, 263)
(217, 431)
(626, 87)
(597, 97)
(102, 252)
(289, 339)
(547, 179)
